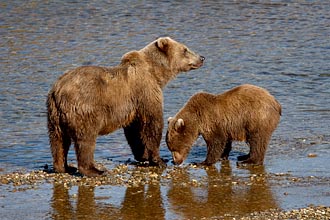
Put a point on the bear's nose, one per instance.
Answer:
(202, 58)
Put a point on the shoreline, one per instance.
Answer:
(131, 176)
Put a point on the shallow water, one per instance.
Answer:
(282, 46)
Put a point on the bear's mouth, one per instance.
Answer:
(177, 158)
(196, 65)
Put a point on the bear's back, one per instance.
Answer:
(248, 95)
(249, 103)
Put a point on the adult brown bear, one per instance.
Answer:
(90, 101)
(245, 113)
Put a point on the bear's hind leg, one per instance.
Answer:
(258, 146)
(66, 147)
(85, 157)
(60, 144)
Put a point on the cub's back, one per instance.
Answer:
(249, 95)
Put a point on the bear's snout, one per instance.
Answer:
(197, 63)
(177, 158)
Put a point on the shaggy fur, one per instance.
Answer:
(90, 101)
(245, 113)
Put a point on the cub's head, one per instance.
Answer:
(180, 138)
(181, 57)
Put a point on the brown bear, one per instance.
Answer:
(245, 113)
(90, 101)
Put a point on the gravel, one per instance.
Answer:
(130, 176)
(312, 212)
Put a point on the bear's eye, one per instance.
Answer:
(185, 50)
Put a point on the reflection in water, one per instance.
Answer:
(143, 202)
(86, 205)
(61, 203)
(138, 202)
(221, 196)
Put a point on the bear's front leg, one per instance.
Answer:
(152, 134)
(134, 138)
(144, 136)
(144, 133)
(226, 151)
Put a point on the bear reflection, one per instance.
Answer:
(221, 197)
(218, 196)
(84, 206)
(142, 202)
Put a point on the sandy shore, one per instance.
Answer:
(124, 175)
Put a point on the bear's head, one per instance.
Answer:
(181, 58)
(180, 138)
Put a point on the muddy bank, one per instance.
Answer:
(187, 192)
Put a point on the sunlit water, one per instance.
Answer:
(283, 46)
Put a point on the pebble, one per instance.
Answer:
(312, 155)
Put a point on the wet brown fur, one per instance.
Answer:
(90, 101)
(245, 113)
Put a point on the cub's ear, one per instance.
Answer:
(169, 119)
(162, 43)
(179, 124)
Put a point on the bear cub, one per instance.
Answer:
(245, 113)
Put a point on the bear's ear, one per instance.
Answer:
(179, 124)
(169, 119)
(162, 44)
